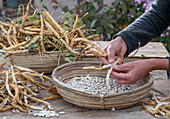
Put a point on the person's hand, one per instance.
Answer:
(130, 73)
(116, 47)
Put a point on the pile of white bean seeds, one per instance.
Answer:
(97, 85)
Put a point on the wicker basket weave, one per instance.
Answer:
(67, 71)
(46, 63)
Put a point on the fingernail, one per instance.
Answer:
(111, 60)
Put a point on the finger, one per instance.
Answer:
(121, 81)
(122, 67)
(105, 48)
(120, 62)
(104, 60)
(111, 54)
(122, 76)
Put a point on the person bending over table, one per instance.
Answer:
(148, 26)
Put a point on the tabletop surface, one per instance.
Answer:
(152, 49)
(161, 87)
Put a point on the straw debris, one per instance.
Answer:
(18, 88)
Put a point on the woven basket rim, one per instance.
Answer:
(35, 53)
(63, 85)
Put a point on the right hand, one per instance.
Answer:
(131, 72)
(116, 47)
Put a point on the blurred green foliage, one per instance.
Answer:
(164, 38)
(106, 19)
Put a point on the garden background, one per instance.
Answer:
(107, 17)
(104, 17)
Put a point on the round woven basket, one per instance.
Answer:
(65, 72)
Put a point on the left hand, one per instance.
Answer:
(116, 47)
(130, 73)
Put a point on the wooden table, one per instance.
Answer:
(151, 50)
(161, 87)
